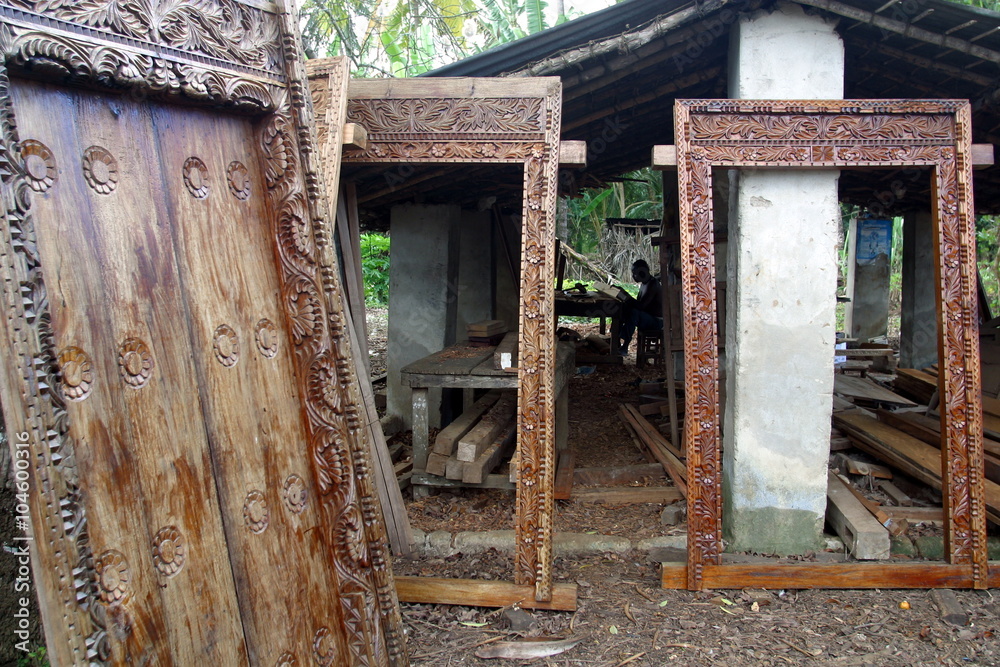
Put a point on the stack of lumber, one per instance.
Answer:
(906, 453)
(862, 391)
(485, 332)
(656, 444)
(475, 444)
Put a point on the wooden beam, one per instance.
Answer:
(476, 471)
(628, 494)
(355, 136)
(475, 593)
(823, 575)
(449, 436)
(573, 154)
(564, 476)
(481, 436)
(905, 29)
(982, 156)
(664, 157)
(618, 475)
(864, 536)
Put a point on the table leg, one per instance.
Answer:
(604, 325)
(421, 437)
(616, 327)
(468, 398)
(562, 418)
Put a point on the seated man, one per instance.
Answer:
(645, 311)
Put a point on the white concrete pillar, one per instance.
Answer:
(918, 333)
(422, 296)
(781, 301)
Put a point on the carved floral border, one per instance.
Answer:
(832, 134)
(51, 39)
(517, 129)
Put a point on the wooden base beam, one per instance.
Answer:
(476, 593)
(825, 575)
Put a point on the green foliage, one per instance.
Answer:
(375, 268)
(408, 37)
(35, 658)
(988, 258)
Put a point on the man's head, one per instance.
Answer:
(640, 271)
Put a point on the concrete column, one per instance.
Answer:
(423, 299)
(781, 301)
(872, 244)
(475, 271)
(918, 334)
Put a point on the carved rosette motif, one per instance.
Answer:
(168, 551)
(77, 373)
(100, 170)
(226, 345)
(239, 180)
(39, 165)
(324, 649)
(255, 512)
(195, 175)
(135, 362)
(295, 494)
(740, 133)
(267, 338)
(113, 576)
(286, 660)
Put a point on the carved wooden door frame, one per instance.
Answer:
(498, 121)
(237, 56)
(840, 134)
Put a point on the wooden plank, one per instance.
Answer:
(862, 389)
(822, 575)
(505, 356)
(618, 475)
(449, 436)
(912, 456)
(867, 469)
(564, 476)
(916, 514)
(895, 494)
(864, 536)
(949, 608)
(657, 445)
(437, 464)
(982, 156)
(916, 384)
(864, 353)
(627, 494)
(454, 469)
(479, 437)
(491, 481)
(475, 593)
(476, 471)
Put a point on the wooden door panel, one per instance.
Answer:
(135, 414)
(244, 360)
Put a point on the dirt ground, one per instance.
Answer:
(624, 617)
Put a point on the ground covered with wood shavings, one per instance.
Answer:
(628, 619)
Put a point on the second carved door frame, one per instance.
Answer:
(493, 121)
(837, 134)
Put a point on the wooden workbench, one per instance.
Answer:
(469, 368)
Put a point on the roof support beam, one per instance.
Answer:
(927, 63)
(903, 28)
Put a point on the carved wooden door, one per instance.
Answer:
(200, 491)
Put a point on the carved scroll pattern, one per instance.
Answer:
(833, 134)
(60, 524)
(329, 386)
(960, 382)
(505, 130)
(241, 44)
(701, 430)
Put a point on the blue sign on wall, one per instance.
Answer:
(874, 239)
